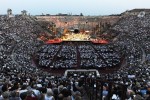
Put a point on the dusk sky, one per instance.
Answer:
(87, 7)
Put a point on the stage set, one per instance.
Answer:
(75, 35)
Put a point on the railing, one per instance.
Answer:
(82, 70)
(95, 88)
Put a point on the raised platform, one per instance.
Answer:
(93, 41)
(82, 70)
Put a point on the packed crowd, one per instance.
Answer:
(21, 79)
(136, 28)
(66, 58)
(77, 55)
(98, 56)
(132, 41)
(17, 32)
(45, 60)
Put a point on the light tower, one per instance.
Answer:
(24, 13)
(9, 13)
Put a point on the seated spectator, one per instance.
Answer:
(78, 98)
(60, 96)
(148, 95)
(55, 91)
(49, 95)
(6, 95)
(30, 97)
(23, 95)
(138, 96)
(14, 96)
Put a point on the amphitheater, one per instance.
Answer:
(73, 57)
